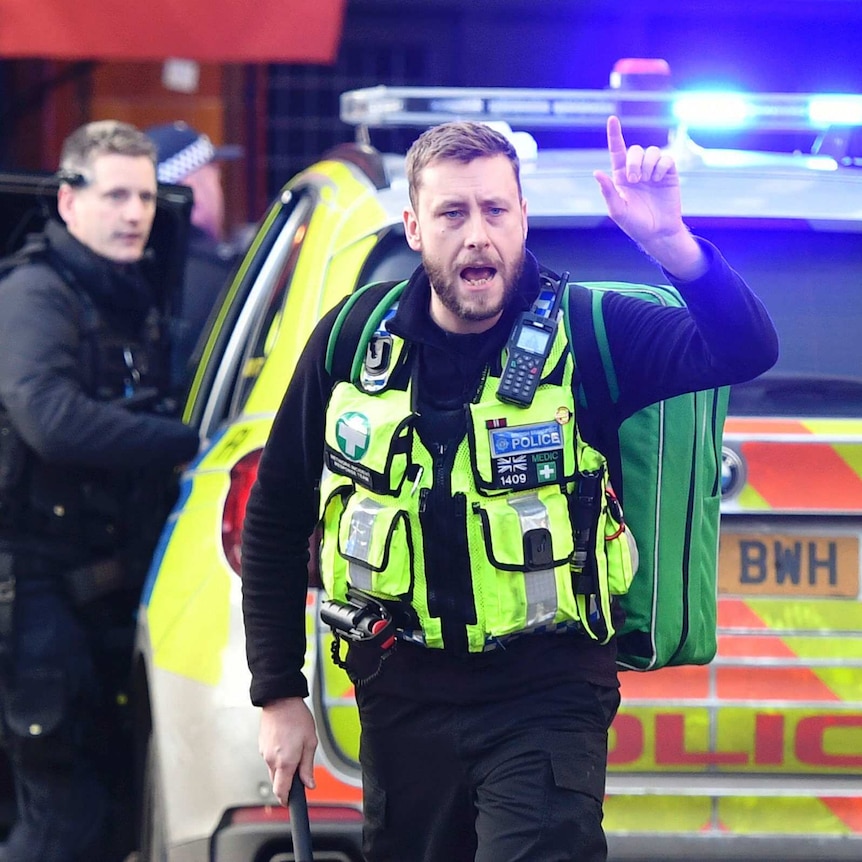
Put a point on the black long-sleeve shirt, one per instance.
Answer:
(724, 336)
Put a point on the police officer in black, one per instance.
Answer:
(87, 474)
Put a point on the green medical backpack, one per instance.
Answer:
(670, 455)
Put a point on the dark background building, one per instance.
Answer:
(286, 115)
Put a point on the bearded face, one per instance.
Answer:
(469, 225)
(463, 291)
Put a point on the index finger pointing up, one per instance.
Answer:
(616, 144)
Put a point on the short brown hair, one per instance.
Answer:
(460, 141)
(104, 137)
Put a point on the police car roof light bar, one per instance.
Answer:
(383, 106)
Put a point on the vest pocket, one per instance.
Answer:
(374, 542)
(513, 449)
(523, 546)
(526, 531)
(369, 440)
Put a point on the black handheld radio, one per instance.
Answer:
(529, 346)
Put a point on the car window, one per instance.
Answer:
(390, 260)
(255, 314)
(268, 318)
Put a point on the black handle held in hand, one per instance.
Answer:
(300, 829)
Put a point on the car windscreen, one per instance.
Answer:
(809, 280)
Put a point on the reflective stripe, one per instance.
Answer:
(539, 585)
(358, 545)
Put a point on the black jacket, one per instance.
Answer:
(724, 336)
(80, 344)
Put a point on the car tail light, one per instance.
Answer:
(242, 477)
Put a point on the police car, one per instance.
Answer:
(756, 755)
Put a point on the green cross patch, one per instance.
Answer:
(353, 434)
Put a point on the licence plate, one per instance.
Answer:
(785, 565)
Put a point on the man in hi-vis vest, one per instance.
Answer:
(469, 527)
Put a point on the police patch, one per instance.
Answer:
(526, 456)
(525, 439)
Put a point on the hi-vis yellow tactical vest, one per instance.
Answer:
(546, 540)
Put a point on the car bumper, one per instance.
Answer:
(243, 837)
(638, 847)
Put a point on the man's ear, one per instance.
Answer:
(65, 202)
(411, 230)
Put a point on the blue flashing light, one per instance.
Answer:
(835, 110)
(713, 110)
(376, 107)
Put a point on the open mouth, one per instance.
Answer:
(478, 276)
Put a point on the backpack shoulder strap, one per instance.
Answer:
(588, 341)
(355, 326)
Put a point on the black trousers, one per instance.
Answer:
(517, 779)
(60, 732)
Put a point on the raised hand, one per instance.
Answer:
(642, 196)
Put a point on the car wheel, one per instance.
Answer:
(152, 838)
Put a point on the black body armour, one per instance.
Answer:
(69, 514)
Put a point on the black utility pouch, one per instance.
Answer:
(585, 506)
(35, 703)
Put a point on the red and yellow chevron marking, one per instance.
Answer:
(802, 630)
(799, 465)
(791, 816)
(657, 815)
(741, 815)
(679, 684)
(756, 630)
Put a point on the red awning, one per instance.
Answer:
(218, 31)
